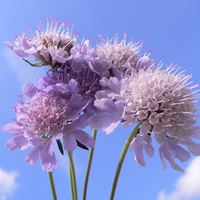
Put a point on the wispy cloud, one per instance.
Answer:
(187, 186)
(8, 183)
(24, 72)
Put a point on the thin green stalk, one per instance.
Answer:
(89, 166)
(121, 160)
(53, 190)
(71, 182)
(72, 177)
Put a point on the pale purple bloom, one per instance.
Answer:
(85, 82)
(55, 46)
(161, 101)
(165, 106)
(50, 46)
(119, 52)
(58, 109)
(114, 54)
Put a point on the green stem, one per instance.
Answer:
(121, 160)
(53, 190)
(89, 166)
(72, 177)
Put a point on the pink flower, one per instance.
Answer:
(119, 52)
(53, 112)
(49, 47)
(122, 55)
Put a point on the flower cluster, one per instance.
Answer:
(100, 87)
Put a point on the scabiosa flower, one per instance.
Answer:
(87, 82)
(52, 112)
(49, 47)
(115, 54)
(164, 105)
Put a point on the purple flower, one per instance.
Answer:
(56, 110)
(165, 106)
(85, 82)
(161, 101)
(114, 54)
(49, 47)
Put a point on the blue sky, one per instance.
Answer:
(170, 28)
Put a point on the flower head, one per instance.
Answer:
(165, 106)
(163, 103)
(119, 52)
(56, 110)
(50, 46)
(120, 55)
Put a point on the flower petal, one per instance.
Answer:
(33, 156)
(17, 142)
(48, 160)
(84, 138)
(69, 142)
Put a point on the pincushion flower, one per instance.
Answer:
(87, 83)
(163, 103)
(53, 112)
(165, 106)
(115, 54)
(49, 47)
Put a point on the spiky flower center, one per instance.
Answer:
(43, 114)
(160, 98)
(57, 40)
(119, 52)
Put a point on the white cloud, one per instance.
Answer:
(187, 186)
(7, 183)
(24, 72)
